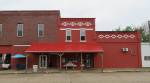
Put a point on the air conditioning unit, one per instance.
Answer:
(125, 49)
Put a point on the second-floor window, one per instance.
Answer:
(68, 35)
(82, 35)
(1, 29)
(19, 30)
(40, 30)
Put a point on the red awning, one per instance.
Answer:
(64, 47)
(5, 49)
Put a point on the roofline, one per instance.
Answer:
(78, 18)
(117, 31)
(29, 10)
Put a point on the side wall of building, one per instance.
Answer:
(145, 50)
(121, 49)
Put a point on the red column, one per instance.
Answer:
(13, 62)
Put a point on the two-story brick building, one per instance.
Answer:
(50, 41)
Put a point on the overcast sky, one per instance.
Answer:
(109, 14)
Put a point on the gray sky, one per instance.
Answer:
(109, 14)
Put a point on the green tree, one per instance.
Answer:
(144, 37)
(128, 28)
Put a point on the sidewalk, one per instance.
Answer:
(75, 71)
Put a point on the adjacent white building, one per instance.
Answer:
(145, 53)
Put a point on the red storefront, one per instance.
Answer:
(50, 41)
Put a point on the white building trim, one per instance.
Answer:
(21, 45)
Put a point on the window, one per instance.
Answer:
(19, 30)
(82, 35)
(70, 59)
(147, 58)
(133, 53)
(68, 35)
(40, 30)
(1, 61)
(7, 59)
(1, 29)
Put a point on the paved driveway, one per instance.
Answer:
(119, 77)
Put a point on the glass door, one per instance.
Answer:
(43, 61)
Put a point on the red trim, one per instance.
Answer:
(5, 49)
(18, 49)
(91, 20)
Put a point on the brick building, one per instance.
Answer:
(50, 41)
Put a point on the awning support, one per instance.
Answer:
(101, 61)
(26, 63)
(60, 62)
(81, 62)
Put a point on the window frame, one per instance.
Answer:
(42, 28)
(146, 58)
(1, 29)
(68, 30)
(18, 26)
(81, 30)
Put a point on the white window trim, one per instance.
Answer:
(22, 30)
(39, 29)
(70, 35)
(85, 35)
(1, 29)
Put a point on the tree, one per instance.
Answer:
(128, 28)
(144, 37)
(118, 29)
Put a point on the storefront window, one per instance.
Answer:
(7, 59)
(1, 61)
(70, 59)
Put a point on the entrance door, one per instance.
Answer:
(43, 61)
(89, 61)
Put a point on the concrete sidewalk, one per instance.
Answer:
(76, 71)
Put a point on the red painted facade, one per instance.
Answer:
(46, 51)
(113, 44)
